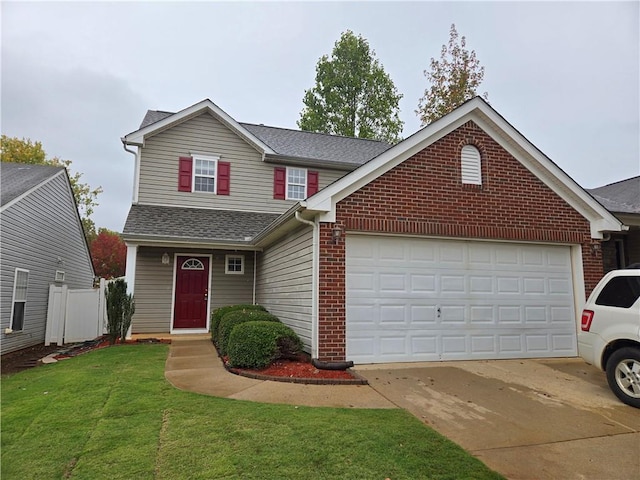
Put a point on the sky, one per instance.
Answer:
(78, 76)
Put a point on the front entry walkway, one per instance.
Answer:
(193, 365)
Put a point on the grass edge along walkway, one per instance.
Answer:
(111, 414)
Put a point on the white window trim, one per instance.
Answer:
(306, 183)
(471, 165)
(59, 276)
(226, 265)
(210, 158)
(13, 298)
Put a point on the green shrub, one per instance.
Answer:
(257, 344)
(218, 313)
(231, 319)
(120, 309)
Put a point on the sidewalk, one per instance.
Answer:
(193, 365)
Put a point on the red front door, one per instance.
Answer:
(192, 292)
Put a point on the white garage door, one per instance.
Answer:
(414, 299)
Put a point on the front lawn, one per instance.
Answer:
(111, 414)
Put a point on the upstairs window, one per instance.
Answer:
(290, 183)
(19, 303)
(296, 184)
(471, 165)
(204, 174)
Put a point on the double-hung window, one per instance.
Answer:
(291, 183)
(204, 174)
(296, 183)
(19, 303)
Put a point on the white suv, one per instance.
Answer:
(609, 336)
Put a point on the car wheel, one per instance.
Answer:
(623, 375)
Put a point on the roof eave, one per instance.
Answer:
(310, 162)
(186, 242)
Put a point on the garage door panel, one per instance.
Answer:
(447, 299)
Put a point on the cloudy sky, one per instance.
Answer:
(78, 76)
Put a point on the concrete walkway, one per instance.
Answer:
(193, 365)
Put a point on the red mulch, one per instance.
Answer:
(298, 369)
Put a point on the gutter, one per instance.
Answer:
(136, 170)
(315, 270)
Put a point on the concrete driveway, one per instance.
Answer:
(527, 419)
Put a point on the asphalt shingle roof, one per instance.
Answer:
(301, 144)
(195, 223)
(18, 178)
(318, 146)
(619, 197)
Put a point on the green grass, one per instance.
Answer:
(111, 414)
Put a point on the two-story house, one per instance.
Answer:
(463, 241)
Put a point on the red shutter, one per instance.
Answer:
(312, 183)
(279, 182)
(224, 172)
(184, 174)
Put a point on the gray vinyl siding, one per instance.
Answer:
(153, 291)
(285, 279)
(251, 183)
(36, 231)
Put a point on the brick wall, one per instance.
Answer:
(424, 196)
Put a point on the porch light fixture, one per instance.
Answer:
(165, 258)
(336, 233)
(595, 248)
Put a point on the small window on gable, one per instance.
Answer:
(19, 303)
(471, 165)
(234, 264)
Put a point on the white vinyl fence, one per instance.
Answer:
(75, 315)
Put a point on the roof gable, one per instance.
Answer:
(483, 115)
(156, 122)
(275, 143)
(19, 179)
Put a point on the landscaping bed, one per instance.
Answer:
(298, 370)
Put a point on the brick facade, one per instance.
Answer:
(424, 196)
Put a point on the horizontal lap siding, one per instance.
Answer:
(154, 286)
(152, 292)
(284, 282)
(251, 187)
(35, 232)
(231, 289)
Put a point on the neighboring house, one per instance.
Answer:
(623, 200)
(42, 244)
(463, 241)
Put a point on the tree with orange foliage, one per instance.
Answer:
(108, 254)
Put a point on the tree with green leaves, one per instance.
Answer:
(353, 95)
(16, 150)
(453, 79)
